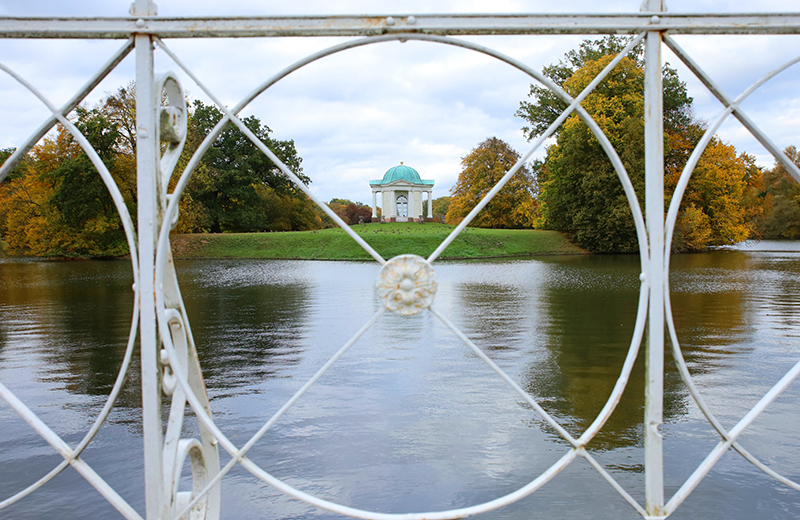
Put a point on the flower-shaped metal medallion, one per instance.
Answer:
(406, 284)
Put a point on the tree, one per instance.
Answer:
(778, 196)
(25, 213)
(714, 210)
(351, 212)
(512, 207)
(232, 186)
(120, 109)
(440, 207)
(546, 106)
(580, 193)
(59, 206)
(54, 203)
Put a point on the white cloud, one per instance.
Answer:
(355, 114)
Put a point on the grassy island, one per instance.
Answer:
(388, 240)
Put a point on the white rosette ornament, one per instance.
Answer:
(406, 284)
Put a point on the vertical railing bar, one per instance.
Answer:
(148, 221)
(654, 210)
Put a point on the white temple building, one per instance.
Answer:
(401, 195)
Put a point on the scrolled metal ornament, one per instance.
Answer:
(202, 453)
(171, 124)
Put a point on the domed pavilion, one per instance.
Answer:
(400, 192)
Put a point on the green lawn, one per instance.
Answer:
(388, 240)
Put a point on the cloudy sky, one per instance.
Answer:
(358, 113)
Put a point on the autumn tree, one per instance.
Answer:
(714, 210)
(60, 206)
(580, 193)
(545, 106)
(778, 195)
(512, 207)
(55, 203)
(350, 212)
(24, 209)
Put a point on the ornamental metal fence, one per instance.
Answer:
(171, 368)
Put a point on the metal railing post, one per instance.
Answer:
(146, 157)
(654, 209)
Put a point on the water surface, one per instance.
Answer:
(410, 419)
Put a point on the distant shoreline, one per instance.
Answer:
(388, 240)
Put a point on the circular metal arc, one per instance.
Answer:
(671, 220)
(230, 115)
(72, 456)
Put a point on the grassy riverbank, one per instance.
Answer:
(387, 239)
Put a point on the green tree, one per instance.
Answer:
(231, 186)
(513, 207)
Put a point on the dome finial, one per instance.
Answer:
(401, 162)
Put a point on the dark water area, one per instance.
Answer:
(410, 419)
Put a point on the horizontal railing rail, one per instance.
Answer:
(373, 25)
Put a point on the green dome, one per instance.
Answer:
(401, 172)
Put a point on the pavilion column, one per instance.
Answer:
(374, 204)
(393, 204)
(430, 203)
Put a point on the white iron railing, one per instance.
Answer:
(170, 366)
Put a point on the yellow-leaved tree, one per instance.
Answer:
(512, 207)
(579, 191)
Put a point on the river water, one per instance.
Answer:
(410, 419)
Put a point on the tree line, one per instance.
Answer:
(55, 204)
(575, 188)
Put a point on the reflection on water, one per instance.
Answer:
(252, 319)
(593, 303)
(410, 418)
